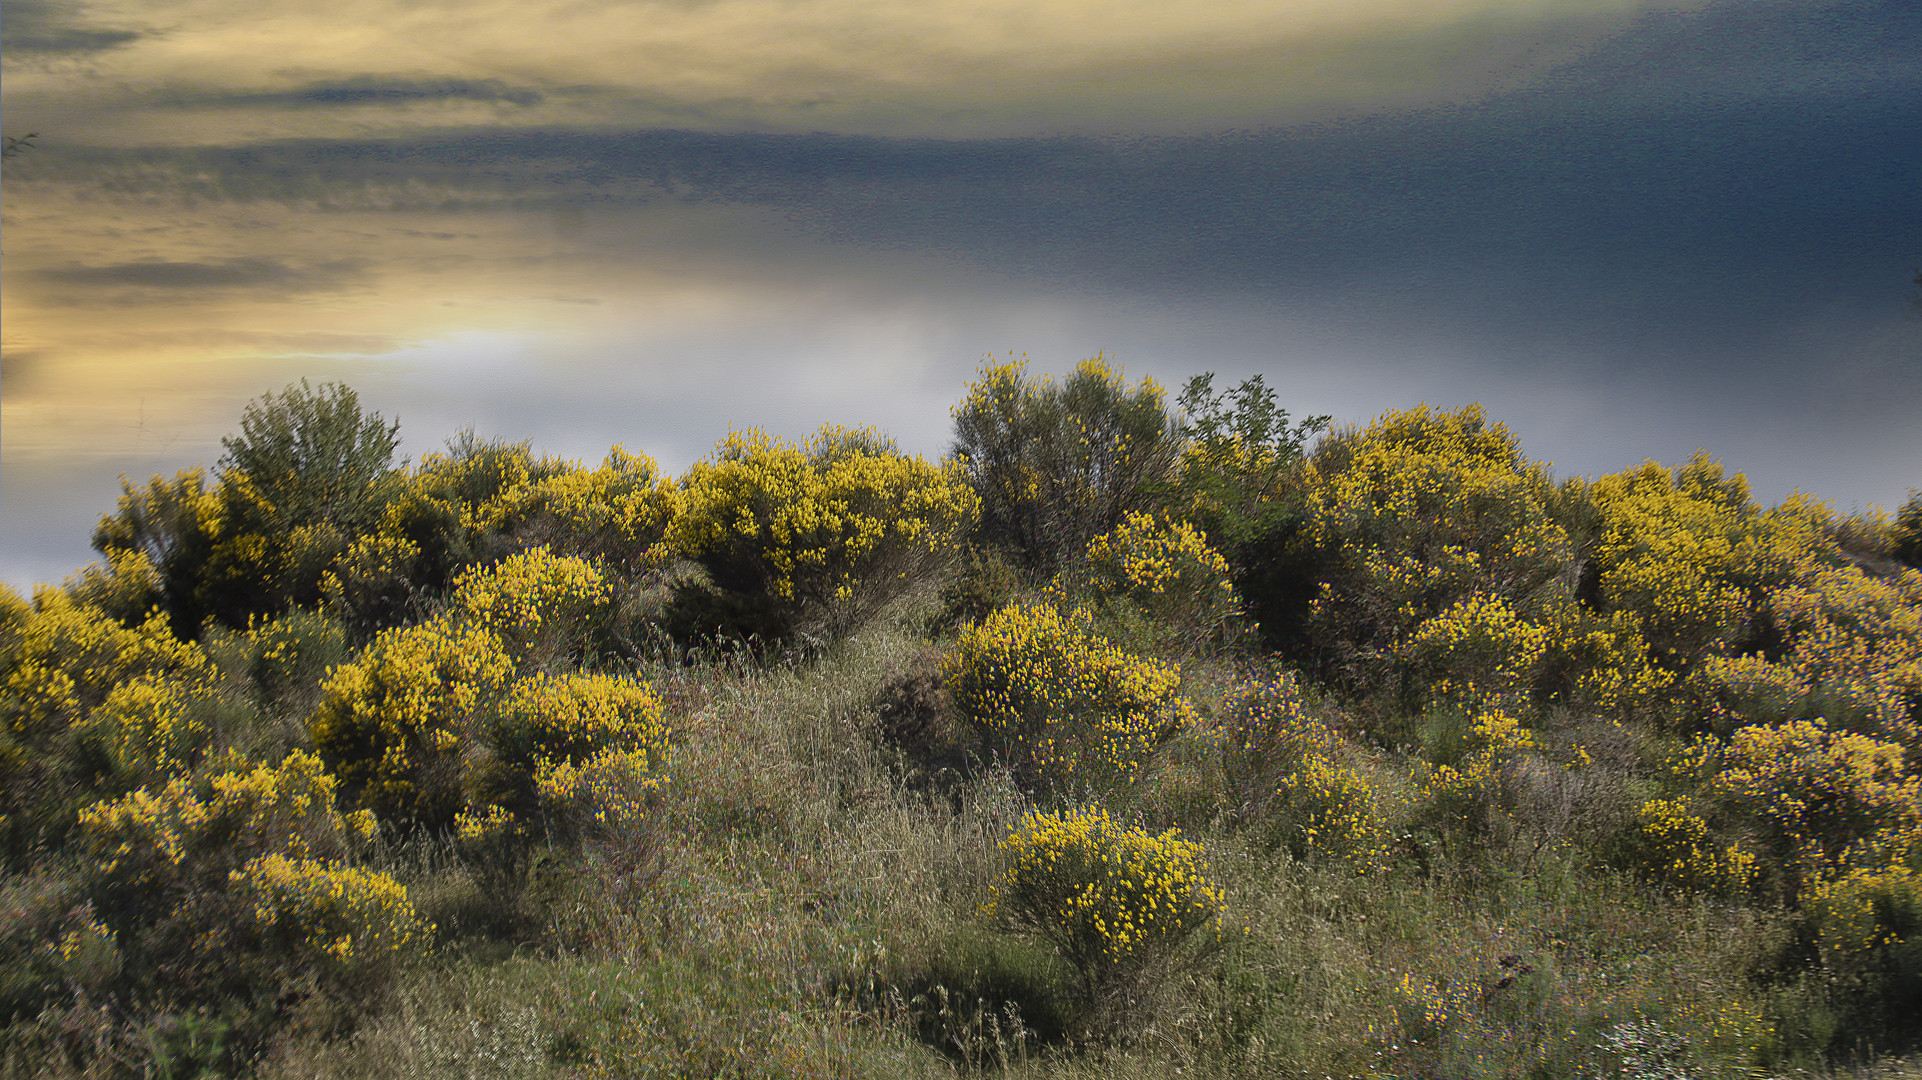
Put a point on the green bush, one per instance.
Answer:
(1057, 463)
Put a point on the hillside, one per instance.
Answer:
(1140, 737)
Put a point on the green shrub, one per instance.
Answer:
(1056, 463)
(1285, 780)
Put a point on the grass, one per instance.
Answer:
(806, 902)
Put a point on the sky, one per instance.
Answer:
(1628, 229)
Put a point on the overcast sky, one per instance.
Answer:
(1628, 229)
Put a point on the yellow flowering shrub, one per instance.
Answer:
(327, 911)
(1166, 569)
(1473, 800)
(1056, 701)
(149, 836)
(1110, 898)
(1801, 805)
(1684, 562)
(127, 588)
(411, 724)
(612, 793)
(615, 515)
(397, 722)
(1284, 777)
(1865, 909)
(1825, 798)
(556, 741)
(1851, 643)
(89, 707)
(828, 531)
(1677, 846)
(451, 721)
(236, 888)
(1479, 650)
(1415, 514)
(150, 724)
(533, 602)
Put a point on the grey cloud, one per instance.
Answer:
(246, 274)
(376, 90)
(41, 28)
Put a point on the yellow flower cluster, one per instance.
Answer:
(1109, 897)
(549, 718)
(1059, 700)
(1679, 848)
(328, 910)
(589, 750)
(530, 598)
(396, 721)
(1284, 775)
(1167, 568)
(1480, 651)
(139, 692)
(1865, 909)
(433, 717)
(1421, 511)
(607, 793)
(1830, 798)
(831, 528)
(1852, 638)
(616, 514)
(147, 836)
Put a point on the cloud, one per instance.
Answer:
(957, 68)
(42, 28)
(230, 274)
(363, 90)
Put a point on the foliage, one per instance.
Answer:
(1416, 514)
(705, 864)
(1822, 799)
(397, 723)
(1057, 702)
(458, 713)
(1908, 531)
(826, 532)
(1285, 777)
(1111, 899)
(232, 895)
(1167, 572)
(1056, 463)
(1238, 479)
(1848, 643)
(1472, 800)
(309, 456)
(89, 707)
(615, 515)
(1233, 476)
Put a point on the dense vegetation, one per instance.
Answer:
(1136, 737)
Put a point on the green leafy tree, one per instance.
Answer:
(1238, 479)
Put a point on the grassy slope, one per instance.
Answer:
(808, 905)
